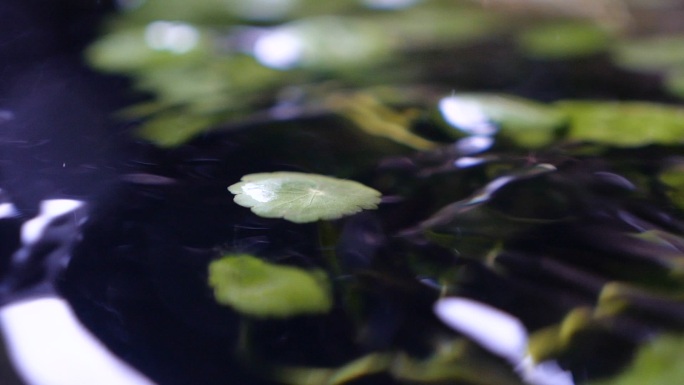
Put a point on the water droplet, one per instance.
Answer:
(280, 49)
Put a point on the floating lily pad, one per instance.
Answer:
(301, 198)
(564, 40)
(624, 124)
(261, 289)
(524, 122)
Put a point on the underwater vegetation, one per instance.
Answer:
(391, 192)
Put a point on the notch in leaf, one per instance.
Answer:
(301, 198)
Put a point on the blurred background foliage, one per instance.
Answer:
(211, 63)
(529, 153)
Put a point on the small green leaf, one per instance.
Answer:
(172, 128)
(673, 178)
(624, 124)
(302, 198)
(563, 40)
(261, 289)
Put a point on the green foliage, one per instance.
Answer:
(301, 198)
(455, 362)
(526, 123)
(374, 118)
(203, 59)
(673, 178)
(674, 81)
(535, 219)
(172, 128)
(261, 289)
(650, 53)
(624, 124)
(128, 51)
(658, 363)
(564, 40)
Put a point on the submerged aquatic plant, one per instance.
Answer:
(262, 289)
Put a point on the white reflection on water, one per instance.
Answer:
(8, 210)
(260, 192)
(474, 144)
(326, 42)
(466, 115)
(32, 230)
(501, 334)
(280, 49)
(170, 36)
(48, 346)
(468, 161)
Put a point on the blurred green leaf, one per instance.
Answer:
(374, 118)
(674, 81)
(358, 368)
(563, 40)
(446, 23)
(454, 362)
(129, 50)
(651, 53)
(173, 128)
(624, 124)
(673, 178)
(657, 363)
(261, 289)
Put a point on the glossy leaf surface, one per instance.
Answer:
(302, 198)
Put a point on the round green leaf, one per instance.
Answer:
(261, 289)
(302, 198)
